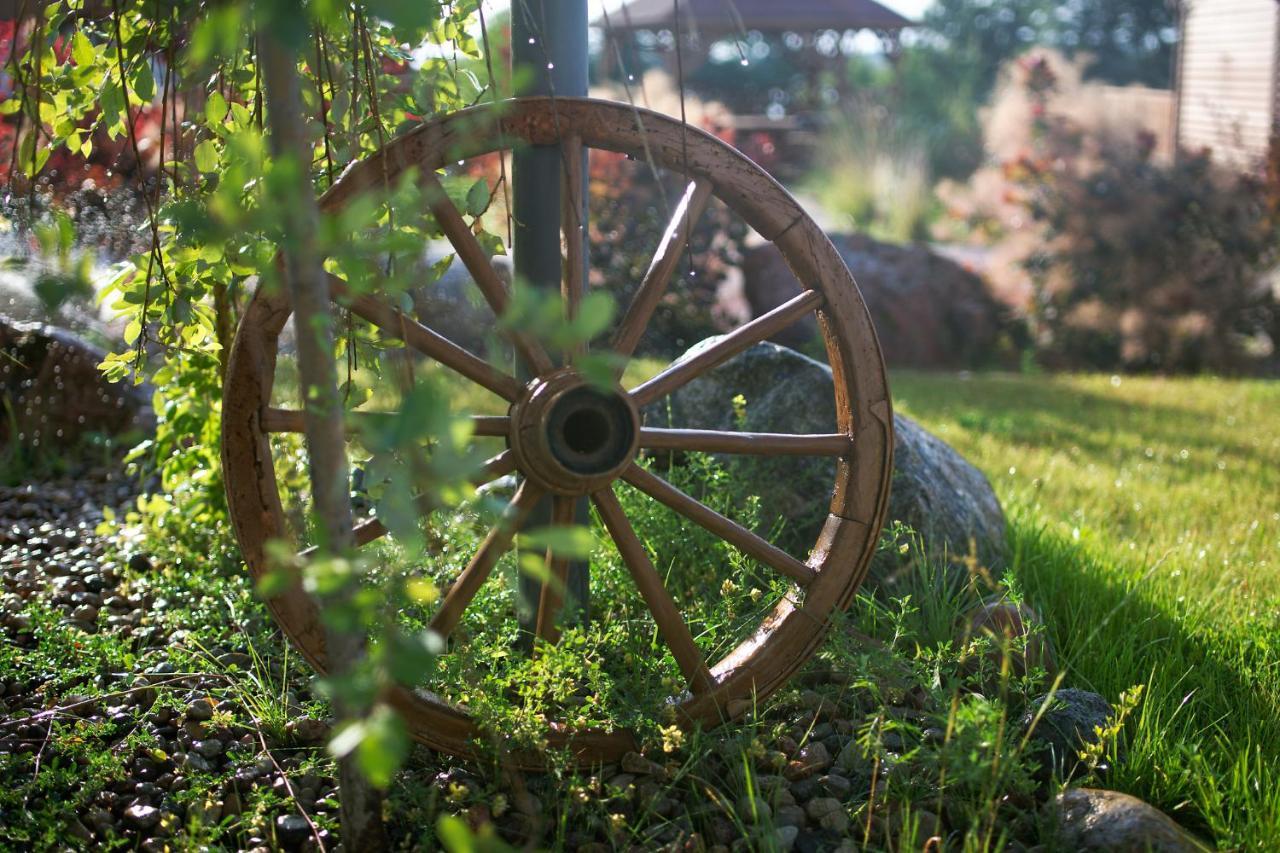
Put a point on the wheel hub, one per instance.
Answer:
(572, 438)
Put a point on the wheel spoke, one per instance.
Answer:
(396, 324)
(292, 420)
(478, 570)
(665, 614)
(551, 598)
(727, 347)
(370, 529)
(728, 530)
(761, 443)
(482, 272)
(692, 204)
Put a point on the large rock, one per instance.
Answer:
(935, 491)
(929, 311)
(453, 305)
(1069, 724)
(53, 392)
(1089, 819)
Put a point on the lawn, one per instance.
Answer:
(1146, 530)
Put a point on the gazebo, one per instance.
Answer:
(794, 53)
(722, 18)
(808, 36)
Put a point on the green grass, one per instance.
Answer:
(1146, 530)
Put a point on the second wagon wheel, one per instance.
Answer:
(567, 439)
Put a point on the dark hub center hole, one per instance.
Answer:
(586, 431)
(590, 432)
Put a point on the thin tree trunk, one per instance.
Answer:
(362, 827)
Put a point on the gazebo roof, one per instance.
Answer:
(723, 16)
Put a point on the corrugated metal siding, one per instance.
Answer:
(1227, 78)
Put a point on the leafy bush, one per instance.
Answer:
(1143, 266)
(1120, 259)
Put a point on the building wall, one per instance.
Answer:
(1227, 78)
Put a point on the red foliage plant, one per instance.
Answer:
(1137, 264)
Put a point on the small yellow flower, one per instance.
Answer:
(672, 738)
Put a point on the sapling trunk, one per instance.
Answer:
(362, 826)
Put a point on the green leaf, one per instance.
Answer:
(572, 541)
(82, 50)
(491, 243)
(411, 655)
(274, 583)
(384, 747)
(207, 156)
(456, 837)
(144, 82)
(215, 109)
(240, 115)
(595, 312)
(31, 158)
(111, 103)
(406, 14)
(478, 197)
(437, 270)
(217, 34)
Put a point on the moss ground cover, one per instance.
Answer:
(1146, 528)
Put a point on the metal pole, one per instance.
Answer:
(548, 57)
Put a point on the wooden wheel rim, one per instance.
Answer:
(839, 559)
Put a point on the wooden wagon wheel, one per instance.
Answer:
(567, 440)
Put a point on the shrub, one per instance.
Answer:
(1121, 259)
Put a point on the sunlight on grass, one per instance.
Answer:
(1146, 524)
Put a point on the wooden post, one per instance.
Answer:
(362, 827)
(549, 53)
